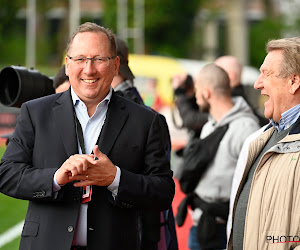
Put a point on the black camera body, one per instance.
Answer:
(19, 84)
(187, 85)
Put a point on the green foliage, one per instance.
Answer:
(12, 41)
(260, 34)
(13, 33)
(8, 12)
(12, 52)
(168, 24)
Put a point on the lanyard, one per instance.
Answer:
(79, 134)
(87, 190)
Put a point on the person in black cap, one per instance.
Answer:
(123, 82)
(152, 223)
(61, 81)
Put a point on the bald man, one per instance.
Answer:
(234, 69)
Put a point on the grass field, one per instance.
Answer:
(12, 211)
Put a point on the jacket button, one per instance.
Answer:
(70, 229)
(91, 229)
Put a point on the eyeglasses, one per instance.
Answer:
(98, 60)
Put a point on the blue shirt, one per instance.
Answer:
(288, 118)
(91, 128)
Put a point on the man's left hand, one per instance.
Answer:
(101, 174)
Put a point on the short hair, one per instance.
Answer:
(95, 28)
(232, 66)
(291, 53)
(217, 78)
(60, 77)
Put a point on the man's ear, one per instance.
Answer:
(66, 65)
(117, 65)
(294, 84)
(206, 93)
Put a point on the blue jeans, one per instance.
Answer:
(193, 241)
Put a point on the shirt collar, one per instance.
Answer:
(124, 85)
(76, 99)
(288, 118)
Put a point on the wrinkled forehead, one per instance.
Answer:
(272, 61)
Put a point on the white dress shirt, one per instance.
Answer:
(91, 128)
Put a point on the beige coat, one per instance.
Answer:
(273, 213)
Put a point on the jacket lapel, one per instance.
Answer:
(114, 122)
(64, 117)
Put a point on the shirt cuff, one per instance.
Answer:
(55, 187)
(114, 186)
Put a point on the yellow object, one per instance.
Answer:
(157, 68)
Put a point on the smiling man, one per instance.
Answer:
(87, 159)
(266, 207)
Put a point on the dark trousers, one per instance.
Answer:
(193, 243)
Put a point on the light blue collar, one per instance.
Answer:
(288, 118)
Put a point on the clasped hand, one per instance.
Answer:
(85, 168)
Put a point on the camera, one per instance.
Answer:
(19, 84)
(188, 84)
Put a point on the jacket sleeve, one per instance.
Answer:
(18, 177)
(188, 109)
(154, 187)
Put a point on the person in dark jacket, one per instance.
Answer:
(154, 225)
(87, 160)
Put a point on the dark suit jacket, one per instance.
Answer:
(45, 137)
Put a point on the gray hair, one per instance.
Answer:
(291, 53)
(95, 28)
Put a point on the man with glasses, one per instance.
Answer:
(86, 159)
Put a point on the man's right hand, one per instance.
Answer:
(76, 165)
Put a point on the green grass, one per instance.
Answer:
(12, 211)
(2, 149)
(14, 245)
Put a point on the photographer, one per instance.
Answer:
(192, 118)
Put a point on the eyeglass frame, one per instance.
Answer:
(91, 58)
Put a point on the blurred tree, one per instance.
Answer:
(168, 24)
(271, 27)
(8, 11)
(259, 34)
(12, 41)
(272, 10)
(51, 32)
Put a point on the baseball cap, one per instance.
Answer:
(122, 52)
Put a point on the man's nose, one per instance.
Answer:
(89, 66)
(258, 83)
